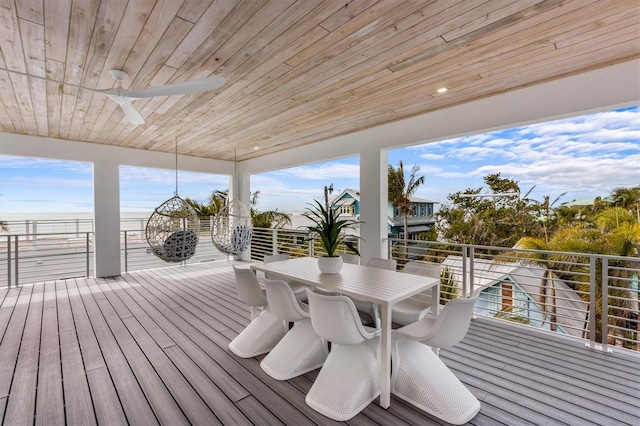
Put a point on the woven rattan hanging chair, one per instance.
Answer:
(172, 229)
(232, 231)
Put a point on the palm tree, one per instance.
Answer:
(400, 191)
(269, 218)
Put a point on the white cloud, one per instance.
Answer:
(324, 171)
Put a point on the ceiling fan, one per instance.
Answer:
(124, 97)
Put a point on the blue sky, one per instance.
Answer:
(585, 156)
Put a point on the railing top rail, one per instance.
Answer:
(519, 250)
(39, 234)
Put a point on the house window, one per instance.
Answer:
(345, 210)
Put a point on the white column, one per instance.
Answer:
(106, 207)
(243, 187)
(373, 204)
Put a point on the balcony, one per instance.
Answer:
(151, 347)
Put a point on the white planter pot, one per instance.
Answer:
(330, 265)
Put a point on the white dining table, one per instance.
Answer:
(379, 286)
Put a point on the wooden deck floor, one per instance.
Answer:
(150, 347)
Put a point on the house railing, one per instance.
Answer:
(578, 294)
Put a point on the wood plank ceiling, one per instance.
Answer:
(297, 71)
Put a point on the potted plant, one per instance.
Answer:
(330, 228)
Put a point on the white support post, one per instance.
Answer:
(106, 206)
(373, 204)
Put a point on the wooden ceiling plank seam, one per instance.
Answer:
(261, 70)
(241, 39)
(102, 37)
(54, 70)
(192, 10)
(134, 19)
(5, 119)
(57, 19)
(527, 29)
(33, 45)
(159, 20)
(174, 34)
(623, 23)
(31, 10)
(21, 88)
(517, 18)
(272, 39)
(209, 20)
(238, 86)
(38, 88)
(499, 10)
(379, 15)
(82, 22)
(69, 95)
(10, 101)
(232, 23)
(345, 13)
(11, 45)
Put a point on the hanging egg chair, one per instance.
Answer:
(231, 232)
(172, 230)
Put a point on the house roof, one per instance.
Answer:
(570, 308)
(296, 71)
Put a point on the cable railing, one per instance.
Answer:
(587, 296)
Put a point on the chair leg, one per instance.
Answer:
(260, 336)
(422, 379)
(301, 350)
(348, 381)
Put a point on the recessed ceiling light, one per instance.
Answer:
(442, 90)
(256, 147)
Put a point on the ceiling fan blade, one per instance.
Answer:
(131, 113)
(177, 88)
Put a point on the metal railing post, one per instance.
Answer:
(88, 257)
(592, 303)
(16, 279)
(126, 254)
(605, 304)
(274, 241)
(464, 269)
(9, 261)
(471, 270)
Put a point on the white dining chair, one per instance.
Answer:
(353, 259)
(350, 377)
(371, 309)
(265, 329)
(301, 350)
(414, 308)
(300, 290)
(420, 377)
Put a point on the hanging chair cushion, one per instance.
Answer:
(179, 246)
(239, 241)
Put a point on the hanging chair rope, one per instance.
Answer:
(172, 229)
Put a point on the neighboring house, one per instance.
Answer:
(420, 220)
(512, 290)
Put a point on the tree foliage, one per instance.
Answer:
(484, 219)
(401, 190)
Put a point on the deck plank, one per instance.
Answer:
(151, 347)
(21, 407)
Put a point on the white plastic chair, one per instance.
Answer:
(414, 308)
(301, 350)
(371, 309)
(266, 329)
(354, 259)
(420, 377)
(350, 377)
(300, 290)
